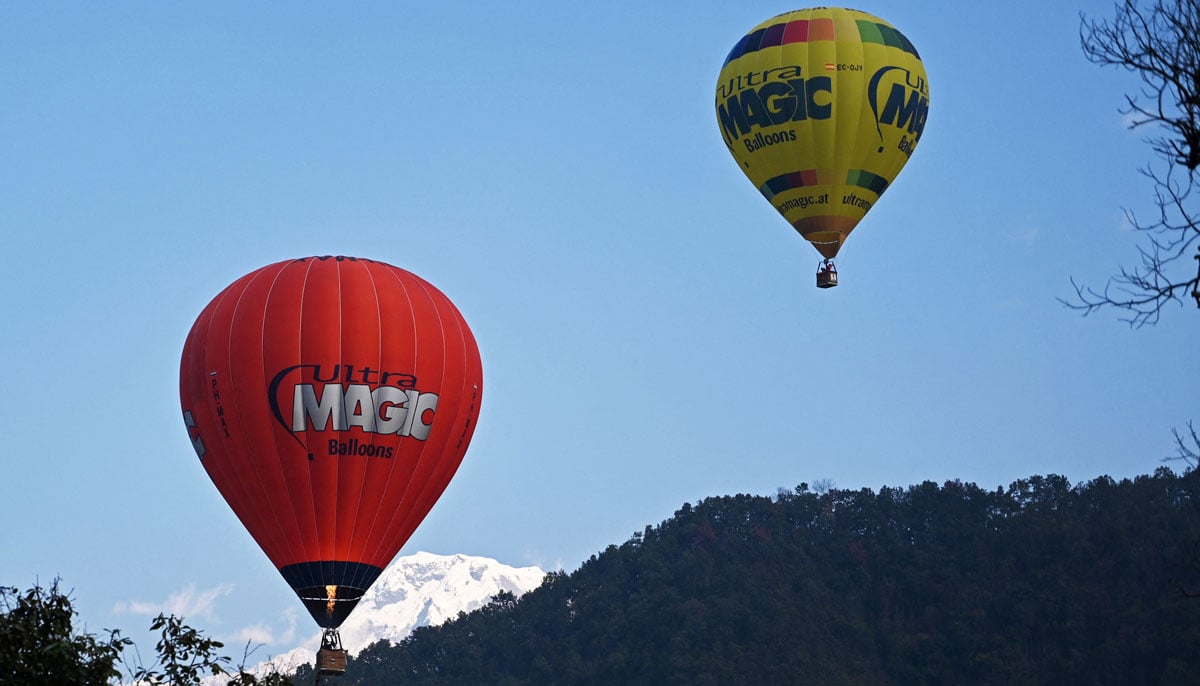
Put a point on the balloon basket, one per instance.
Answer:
(826, 278)
(331, 662)
(331, 658)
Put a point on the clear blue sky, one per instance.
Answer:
(649, 326)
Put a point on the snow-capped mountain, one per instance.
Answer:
(426, 589)
(417, 590)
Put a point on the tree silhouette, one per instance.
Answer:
(1044, 582)
(39, 643)
(40, 646)
(1161, 44)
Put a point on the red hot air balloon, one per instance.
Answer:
(331, 400)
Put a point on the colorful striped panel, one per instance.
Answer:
(786, 182)
(870, 32)
(865, 179)
(805, 30)
(814, 177)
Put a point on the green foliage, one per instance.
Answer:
(1043, 582)
(185, 655)
(39, 647)
(270, 678)
(38, 643)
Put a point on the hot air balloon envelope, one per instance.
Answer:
(331, 400)
(821, 108)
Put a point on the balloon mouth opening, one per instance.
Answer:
(826, 242)
(330, 589)
(329, 605)
(825, 233)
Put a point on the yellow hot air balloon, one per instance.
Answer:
(821, 108)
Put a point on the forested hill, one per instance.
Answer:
(1043, 582)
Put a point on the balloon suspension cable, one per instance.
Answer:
(331, 640)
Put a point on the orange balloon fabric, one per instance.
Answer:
(331, 400)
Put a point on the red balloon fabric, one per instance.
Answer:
(331, 400)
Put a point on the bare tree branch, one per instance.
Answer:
(1161, 45)
(1187, 448)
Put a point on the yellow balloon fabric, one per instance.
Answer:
(821, 108)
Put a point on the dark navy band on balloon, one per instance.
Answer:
(311, 581)
(330, 573)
